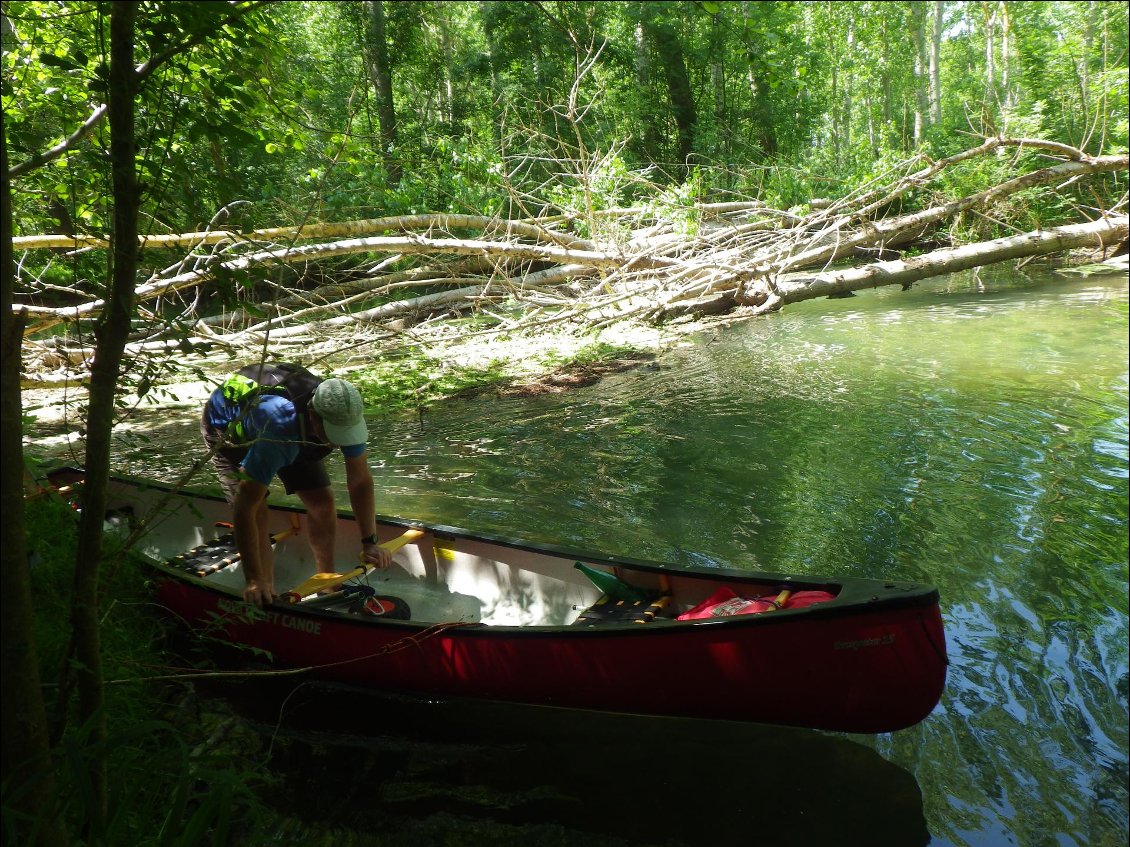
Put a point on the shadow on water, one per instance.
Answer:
(452, 772)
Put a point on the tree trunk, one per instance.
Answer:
(110, 334)
(451, 110)
(921, 82)
(26, 748)
(938, 10)
(885, 84)
(380, 74)
(646, 138)
(679, 90)
(795, 287)
(1009, 88)
(485, 16)
(722, 126)
(1083, 71)
(849, 77)
(990, 100)
(1105, 114)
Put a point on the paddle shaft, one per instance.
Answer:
(323, 581)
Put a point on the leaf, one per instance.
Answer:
(54, 61)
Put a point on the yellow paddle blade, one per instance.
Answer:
(320, 582)
(324, 581)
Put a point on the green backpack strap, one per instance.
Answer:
(240, 390)
(237, 388)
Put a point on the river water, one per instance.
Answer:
(970, 432)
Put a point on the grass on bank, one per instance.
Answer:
(410, 381)
(178, 776)
(169, 786)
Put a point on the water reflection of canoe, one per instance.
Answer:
(573, 778)
(501, 619)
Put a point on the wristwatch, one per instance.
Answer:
(369, 539)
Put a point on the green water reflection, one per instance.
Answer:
(970, 432)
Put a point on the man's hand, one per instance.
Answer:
(376, 556)
(259, 593)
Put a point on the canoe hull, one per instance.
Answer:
(874, 660)
(859, 673)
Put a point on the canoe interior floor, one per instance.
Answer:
(219, 553)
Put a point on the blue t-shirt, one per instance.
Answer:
(272, 429)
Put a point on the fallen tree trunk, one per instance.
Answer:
(1104, 232)
(539, 229)
(635, 264)
(403, 245)
(795, 287)
(834, 245)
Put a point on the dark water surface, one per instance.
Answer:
(971, 432)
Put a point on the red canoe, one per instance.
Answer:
(467, 615)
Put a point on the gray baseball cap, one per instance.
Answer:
(342, 412)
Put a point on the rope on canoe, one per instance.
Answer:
(414, 640)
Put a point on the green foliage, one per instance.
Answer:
(1024, 210)
(592, 353)
(792, 101)
(412, 382)
(676, 204)
(162, 793)
(608, 184)
(168, 787)
(51, 525)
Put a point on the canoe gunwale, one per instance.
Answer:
(855, 596)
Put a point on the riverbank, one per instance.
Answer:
(429, 365)
(512, 365)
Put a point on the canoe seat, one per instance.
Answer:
(209, 557)
(607, 610)
(215, 555)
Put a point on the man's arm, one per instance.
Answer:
(359, 484)
(249, 513)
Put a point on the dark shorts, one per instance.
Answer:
(297, 476)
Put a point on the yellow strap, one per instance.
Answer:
(323, 581)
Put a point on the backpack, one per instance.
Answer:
(248, 384)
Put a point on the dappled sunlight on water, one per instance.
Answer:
(970, 432)
(977, 440)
